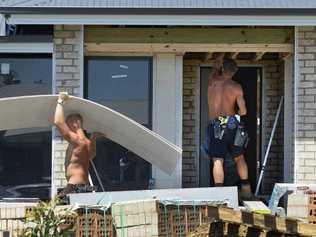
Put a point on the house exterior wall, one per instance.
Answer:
(190, 124)
(68, 76)
(167, 104)
(305, 136)
(272, 89)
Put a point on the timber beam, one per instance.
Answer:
(101, 34)
(188, 47)
(188, 39)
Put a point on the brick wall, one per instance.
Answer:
(189, 171)
(68, 41)
(274, 87)
(305, 166)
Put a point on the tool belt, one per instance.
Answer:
(222, 123)
(241, 137)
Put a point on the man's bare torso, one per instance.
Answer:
(78, 161)
(222, 97)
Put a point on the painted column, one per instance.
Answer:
(167, 110)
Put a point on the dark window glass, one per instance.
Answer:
(123, 84)
(25, 154)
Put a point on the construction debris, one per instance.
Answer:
(256, 207)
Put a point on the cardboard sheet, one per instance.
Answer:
(38, 112)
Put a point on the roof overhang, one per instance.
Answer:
(157, 11)
(160, 16)
(161, 19)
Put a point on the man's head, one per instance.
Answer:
(74, 122)
(229, 68)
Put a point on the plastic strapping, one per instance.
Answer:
(122, 221)
(105, 222)
(179, 219)
(165, 214)
(86, 222)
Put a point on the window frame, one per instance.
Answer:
(37, 48)
(150, 75)
(151, 83)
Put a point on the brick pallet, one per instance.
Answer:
(91, 222)
(12, 216)
(152, 218)
(312, 209)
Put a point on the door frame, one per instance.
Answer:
(198, 112)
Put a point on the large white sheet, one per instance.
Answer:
(38, 112)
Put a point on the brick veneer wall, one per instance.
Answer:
(190, 116)
(274, 87)
(68, 49)
(305, 166)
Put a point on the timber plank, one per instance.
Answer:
(91, 48)
(102, 34)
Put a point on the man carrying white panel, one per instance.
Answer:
(79, 152)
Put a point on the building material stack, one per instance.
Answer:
(12, 216)
(154, 218)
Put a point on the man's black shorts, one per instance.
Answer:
(220, 148)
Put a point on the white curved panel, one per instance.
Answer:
(38, 111)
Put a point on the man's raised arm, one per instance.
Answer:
(217, 66)
(59, 118)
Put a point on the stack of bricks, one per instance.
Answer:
(272, 91)
(145, 218)
(136, 218)
(12, 216)
(306, 104)
(189, 174)
(68, 53)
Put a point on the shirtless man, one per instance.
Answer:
(223, 96)
(79, 152)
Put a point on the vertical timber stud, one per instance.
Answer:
(288, 119)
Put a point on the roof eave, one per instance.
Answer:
(160, 11)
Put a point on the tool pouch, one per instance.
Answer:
(241, 137)
(218, 130)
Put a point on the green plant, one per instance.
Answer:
(48, 219)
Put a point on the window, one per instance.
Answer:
(25, 154)
(123, 84)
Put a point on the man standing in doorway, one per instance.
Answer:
(227, 137)
(81, 150)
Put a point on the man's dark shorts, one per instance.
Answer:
(75, 188)
(220, 148)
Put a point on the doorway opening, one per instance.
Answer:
(249, 77)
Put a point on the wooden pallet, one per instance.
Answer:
(256, 224)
